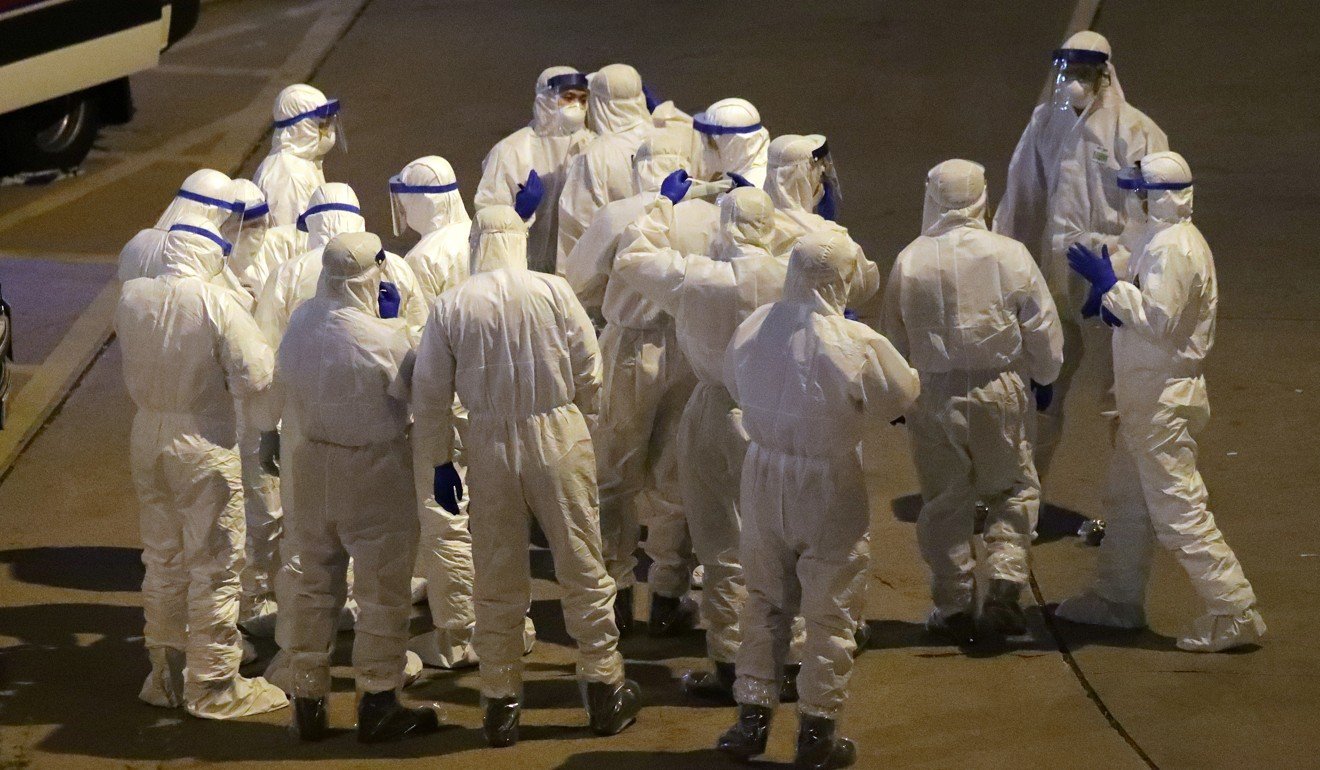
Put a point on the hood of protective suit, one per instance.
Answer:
(616, 103)
(426, 212)
(658, 156)
(351, 271)
(193, 248)
(747, 223)
(1086, 40)
(304, 137)
(545, 110)
(193, 196)
(955, 197)
(498, 240)
(333, 209)
(820, 270)
(256, 221)
(793, 179)
(733, 140)
(1167, 168)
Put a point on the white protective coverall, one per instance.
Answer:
(206, 193)
(600, 170)
(301, 138)
(353, 495)
(733, 141)
(519, 350)
(189, 350)
(647, 382)
(543, 145)
(811, 385)
(1061, 190)
(708, 296)
(426, 198)
(969, 308)
(1154, 492)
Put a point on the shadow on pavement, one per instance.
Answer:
(84, 568)
(653, 760)
(1055, 523)
(1079, 635)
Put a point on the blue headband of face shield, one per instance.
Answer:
(710, 129)
(302, 220)
(1080, 56)
(1131, 179)
(224, 245)
(421, 189)
(327, 110)
(234, 206)
(567, 81)
(258, 210)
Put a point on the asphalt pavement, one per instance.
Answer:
(897, 88)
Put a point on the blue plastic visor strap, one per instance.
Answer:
(1080, 56)
(207, 234)
(234, 206)
(302, 220)
(327, 110)
(259, 210)
(566, 81)
(710, 129)
(404, 187)
(1165, 185)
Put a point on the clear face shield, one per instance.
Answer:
(328, 125)
(398, 202)
(1079, 75)
(255, 223)
(1137, 188)
(714, 139)
(570, 95)
(231, 225)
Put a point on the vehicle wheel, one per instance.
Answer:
(56, 134)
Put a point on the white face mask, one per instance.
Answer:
(572, 116)
(1079, 94)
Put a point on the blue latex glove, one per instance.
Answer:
(828, 207)
(739, 180)
(1095, 268)
(1044, 395)
(389, 300)
(1091, 308)
(652, 101)
(1109, 318)
(676, 185)
(448, 487)
(529, 196)
(850, 314)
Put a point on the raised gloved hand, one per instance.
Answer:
(1094, 268)
(828, 206)
(738, 180)
(850, 314)
(676, 185)
(652, 101)
(1044, 395)
(448, 487)
(529, 196)
(389, 300)
(1091, 308)
(268, 449)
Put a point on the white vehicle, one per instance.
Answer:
(64, 67)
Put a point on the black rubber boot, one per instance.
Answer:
(862, 637)
(310, 721)
(748, 736)
(959, 628)
(623, 610)
(500, 723)
(714, 685)
(382, 718)
(671, 617)
(788, 683)
(612, 707)
(1002, 613)
(818, 748)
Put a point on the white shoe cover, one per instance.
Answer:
(164, 685)
(529, 635)
(1093, 610)
(237, 697)
(440, 649)
(418, 590)
(1216, 633)
(412, 667)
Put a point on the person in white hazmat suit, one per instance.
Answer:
(647, 382)
(811, 385)
(306, 129)
(206, 193)
(519, 351)
(733, 141)
(354, 494)
(1061, 190)
(970, 309)
(600, 171)
(189, 350)
(1163, 311)
(708, 296)
(261, 246)
(559, 112)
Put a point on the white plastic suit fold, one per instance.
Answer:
(811, 385)
(519, 351)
